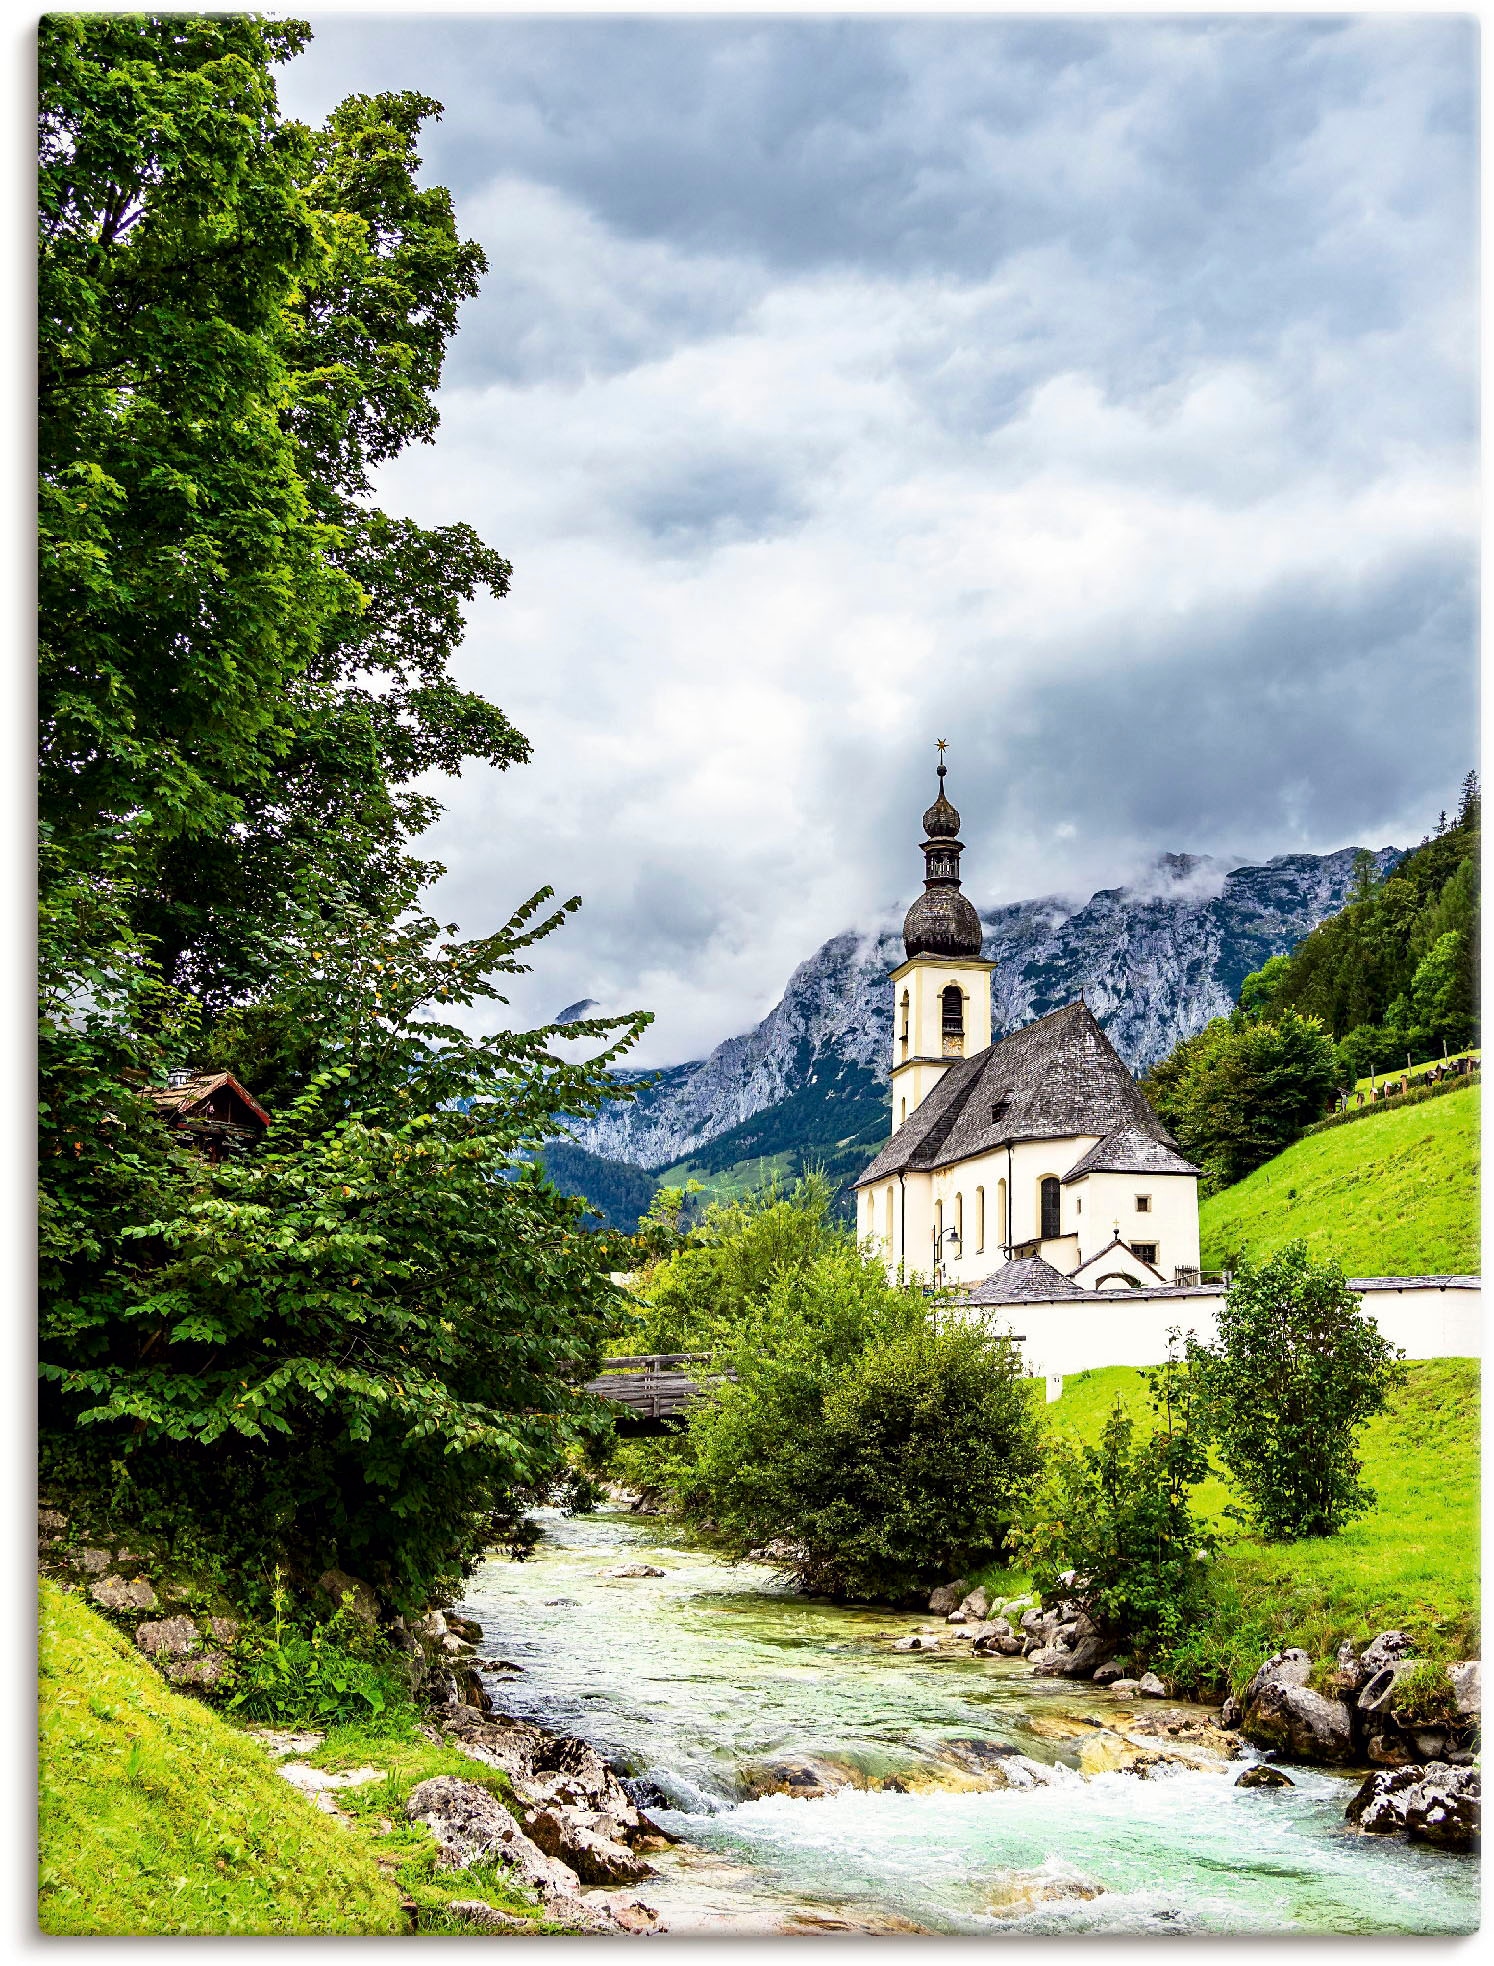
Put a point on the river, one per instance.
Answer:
(694, 1677)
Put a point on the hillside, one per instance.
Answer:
(157, 1817)
(1154, 961)
(1392, 1194)
(1411, 1561)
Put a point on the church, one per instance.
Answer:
(1030, 1168)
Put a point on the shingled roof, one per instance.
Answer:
(1026, 1279)
(1131, 1150)
(1052, 1080)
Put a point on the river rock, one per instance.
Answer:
(1048, 1661)
(1125, 1689)
(115, 1594)
(168, 1638)
(916, 1642)
(1300, 1723)
(807, 1777)
(1378, 1690)
(1382, 1651)
(1150, 1687)
(472, 1826)
(1000, 1765)
(1053, 1883)
(361, 1599)
(485, 1917)
(632, 1570)
(1006, 1644)
(1108, 1674)
(1231, 1714)
(467, 1628)
(565, 1832)
(1466, 1685)
(1432, 1803)
(1259, 1776)
(948, 1597)
(976, 1604)
(1292, 1667)
(93, 1562)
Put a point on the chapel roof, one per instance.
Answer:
(1132, 1149)
(1025, 1279)
(1056, 1079)
(1125, 1250)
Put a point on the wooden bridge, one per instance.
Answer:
(654, 1387)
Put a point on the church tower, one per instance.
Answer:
(941, 995)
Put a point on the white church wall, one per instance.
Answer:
(1105, 1205)
(1427, 1317)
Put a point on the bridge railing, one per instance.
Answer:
(654, 1385)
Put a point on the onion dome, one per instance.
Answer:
(942, 922)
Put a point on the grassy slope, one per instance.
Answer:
(1394, 1195)
(158, 1817)
(1411, 1561)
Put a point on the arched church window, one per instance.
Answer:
(980, 1221)
(1049, 1195)
(903, 1034)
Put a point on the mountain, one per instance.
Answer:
(1154, 961)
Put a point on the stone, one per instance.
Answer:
(1378, 1805)
(564, 1832)
(205, 1669)
(1303, 1724)
(1378, 1690)
(1015, 1606)
(53, 1521)
(916, 1642)
(632, 1570)
(467, 1628)
(809, 1778)
(1259, 1776)
(1445, 1792)
(1382, 1651)
(430, 1627)
(169, 1638)
(959, 1616)
(1231, 1714)
(1150, 1687)
(114, 1594)
(1087, 1654)
(1388, 1750)
(326, 1781)
(279, 1740)
(633, 1915)
(225, 1630)
(486, 1918)
(1466, 1685)
(1053, 1883)
(93, 1562)
(471, 1825)
(1292, 1667)
(1048, 1660)
(341, 1587)
(948, 1597)
(1348, 1667)
(977, 1603)
(1126, 1689)
(1107, 1674)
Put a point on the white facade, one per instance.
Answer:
(924, 1041)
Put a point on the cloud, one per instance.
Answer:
(1096, 394)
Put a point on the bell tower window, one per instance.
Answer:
(903, 1032)
(952, 1021)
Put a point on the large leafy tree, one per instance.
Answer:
(362, 1341)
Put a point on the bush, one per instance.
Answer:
(1118, 1515)
(315, 1672)
(1295, 1371)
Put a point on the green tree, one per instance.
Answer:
(1240, 1091)
(1295, 1371)
(1259, 989)
(1111, 1524)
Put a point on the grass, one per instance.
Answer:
(1395, 1196)
(743, 1177)
(158, 1817)
(1412, 1561)
(1393, 1071)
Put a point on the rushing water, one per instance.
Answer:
(692, 1678)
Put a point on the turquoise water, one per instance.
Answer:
(692, 1678)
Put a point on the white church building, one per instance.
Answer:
(1032, 1168)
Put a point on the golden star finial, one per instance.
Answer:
(941, 744)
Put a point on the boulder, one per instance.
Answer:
(1378, 1690)
(1231, 1714)
(1259, 1776)
(916, 1642)
(565, 1832)
(807, 1777)
(1300, 1723)
(472, 1826)
(1126, 1688)
(1108, 1674)
(1292, 1667)
(485, 1917)
(1015, 1606)
(1349, 1670)
(430, 1627)
(948, 1597)
(632, 1570)
(225, 1630)
(93, 1562)
(959, 1616)
(467, 1628)
(1007, 1644)
(1048, 1661)
(1150, 1687)
(114, 1594)
(361, 1599)
(1443, 1808)
(168, 1638)
(1389, 1749)
(50, 1522)
(1383, 1651)
(977, 1603)
(1466, 1686)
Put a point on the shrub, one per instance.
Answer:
(315, 1671)
(1118, 1515)
(1295, 1371)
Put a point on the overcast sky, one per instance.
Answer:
(1095, 393)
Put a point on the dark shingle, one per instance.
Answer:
(1131, 1150)
(1053, 1080)
(1025, 1279)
